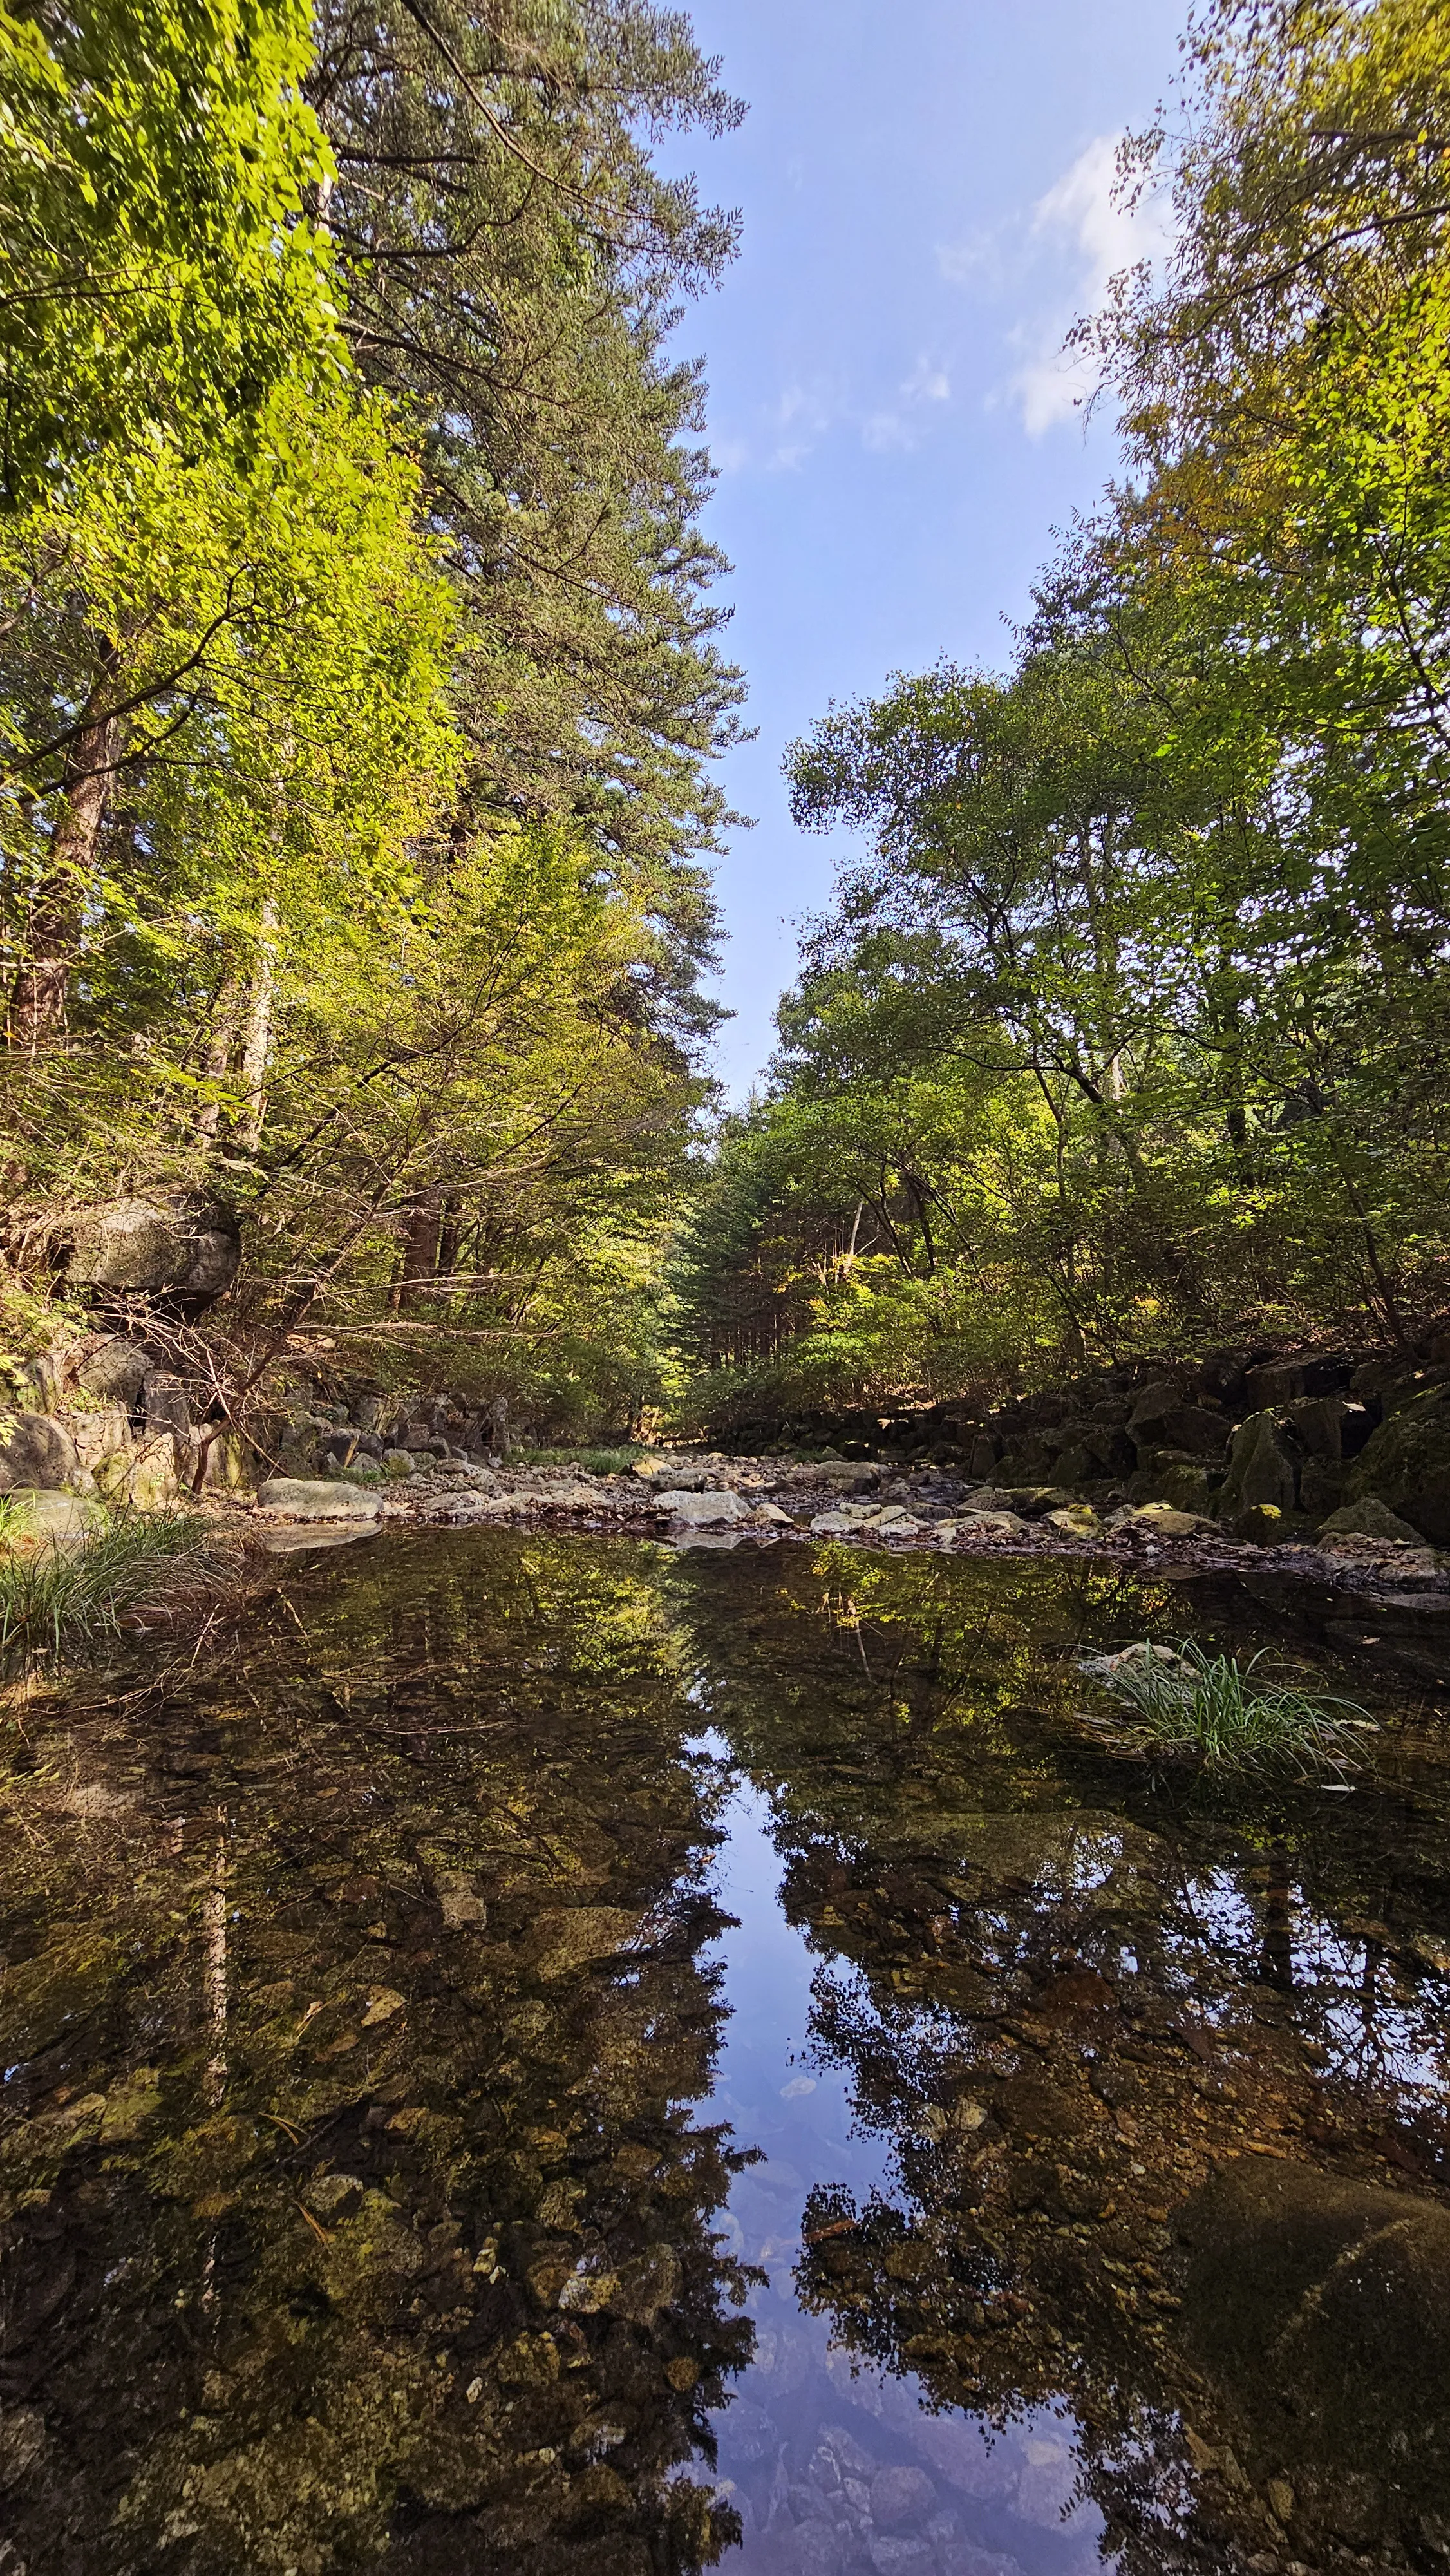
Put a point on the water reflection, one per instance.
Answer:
(403, 2156)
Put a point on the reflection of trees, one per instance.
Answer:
(354, 2202)
(1065, 1995)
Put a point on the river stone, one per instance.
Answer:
(37, 1451)
(770, 1516)
(702, 1511)
(397, 1462)
(303, 1500)
(175, 1244)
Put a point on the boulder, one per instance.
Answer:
(37, 1451)
(1368, 1518)
(115, 1370)
(770, 1516)
(1406, 1464)
(1262, 1467)
(165, 1401)
(1160, 1520)
(37, 1518)
(1075, 1520)
(701, 1511)
(397, 1462)
(1162, 1419)
(1278, 1382)
(302, 1500)
(179, 1246)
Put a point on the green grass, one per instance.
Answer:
(60, 1605)
(598, 1462)
(1182, 1705)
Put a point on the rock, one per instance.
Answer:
(701, 1511)
(178, 1245)
(152, 1482)
(1190, 1427)
(1321, 2305)
(37, 1519)
(1160, 1520)
(302, 1500)
(165, 1401)
(364, 1471)
(975, 1524)
(837, 1524)
(770, 1516)
(339, 1448)
(116, 1369)
(1075, 1520)
(1262, 1468)
(1406, 1464)
(397, 1462)
(1035, 1501)
(1276, 1382)
(1368, 1518)
(900, 2496)
(571, 1938)
(37, 1451)
(1261, 1526)
(101, 1435)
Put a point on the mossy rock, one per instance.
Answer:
(1406, 1464)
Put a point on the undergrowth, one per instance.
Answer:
(1182, 1705)
(597, 1462)
(62, 1604)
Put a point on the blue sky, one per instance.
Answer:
(926, 195)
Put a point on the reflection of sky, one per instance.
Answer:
(807, 2440)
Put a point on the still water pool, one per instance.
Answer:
(552, 2055)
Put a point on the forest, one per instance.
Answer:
(362, 672)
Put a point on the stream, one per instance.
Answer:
(552, 2054)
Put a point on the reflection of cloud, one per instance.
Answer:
(1060, 260)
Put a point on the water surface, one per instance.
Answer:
(557, 2054)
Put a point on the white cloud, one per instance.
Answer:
(1083, 220)
(900, 428)
(1059, 261)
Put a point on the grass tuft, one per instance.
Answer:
(1182, 1705)
(598, 1462)
(61, 1604)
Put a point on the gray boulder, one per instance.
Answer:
(177, 1245)
(38, 1451)
(303, 1500)
(165, 1401)
(702, 1511)
(116, 1369)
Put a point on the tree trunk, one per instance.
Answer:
(257, 1036)
(420, 1248)
(217, 1062)
(42, 984)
